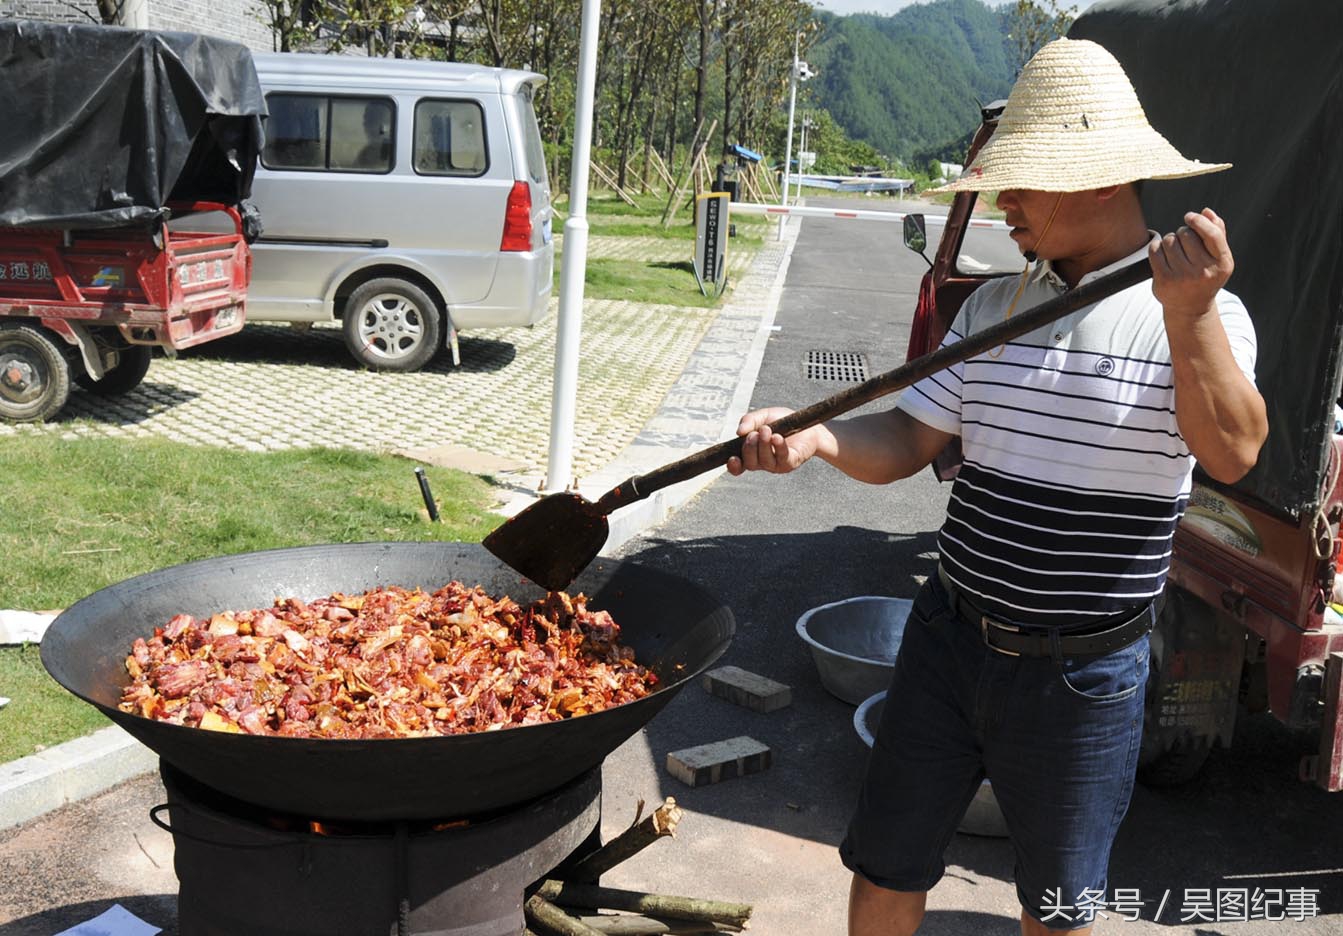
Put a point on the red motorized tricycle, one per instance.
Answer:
(1247, 623)
(111, 135)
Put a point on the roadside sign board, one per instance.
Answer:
(711, 222)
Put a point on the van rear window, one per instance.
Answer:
(449, 138)
(337, 134)
(531, 135)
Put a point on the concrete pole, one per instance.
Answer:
(788, 150)
(802, 149)
(134, 14)
(560, 462)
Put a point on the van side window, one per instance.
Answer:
(295, 132)
(449, 138)
(341, 134)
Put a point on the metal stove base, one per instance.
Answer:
(238, 877)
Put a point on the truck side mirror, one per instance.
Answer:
(916, 236)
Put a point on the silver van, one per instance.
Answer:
(407, 199)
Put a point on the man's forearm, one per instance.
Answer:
(1220, 413)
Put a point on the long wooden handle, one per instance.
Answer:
(911, 372)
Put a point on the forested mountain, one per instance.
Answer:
(679, 77)
(911, 83)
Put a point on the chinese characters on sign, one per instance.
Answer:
(1189, 702)
(711, 214)
(1195, 905)
(23, 270)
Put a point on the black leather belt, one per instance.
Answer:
(1103, 637)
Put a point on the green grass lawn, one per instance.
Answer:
(41, 713)
(667, 282)
(654, 280)
(82, 514)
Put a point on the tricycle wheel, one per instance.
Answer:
(391, 324)
(131, 367)
(34, 375)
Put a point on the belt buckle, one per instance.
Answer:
(984, 623)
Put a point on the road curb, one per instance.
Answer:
(66, 773)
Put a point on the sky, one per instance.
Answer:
(887, 7)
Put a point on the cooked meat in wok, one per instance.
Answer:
(384, 664)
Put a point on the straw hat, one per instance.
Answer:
(1073, 123)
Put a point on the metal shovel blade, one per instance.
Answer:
(552, 540)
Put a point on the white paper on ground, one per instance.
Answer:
(18, 627)
(117, 921)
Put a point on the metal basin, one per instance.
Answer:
(854, 643)
(982, 817)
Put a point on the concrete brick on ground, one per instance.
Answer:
(747, 689)
(719, 761)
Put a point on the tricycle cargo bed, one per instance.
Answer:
(191, 291)
(86, 307)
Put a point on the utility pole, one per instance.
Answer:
(559, 464)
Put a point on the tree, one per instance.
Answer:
(1031, 24)
(666, 70)
(757, 59)
(289, 27)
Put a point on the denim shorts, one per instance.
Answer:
(1058, 740)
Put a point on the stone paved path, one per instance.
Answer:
(274, 387)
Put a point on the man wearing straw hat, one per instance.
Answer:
(1025, 657)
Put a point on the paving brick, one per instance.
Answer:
(274, 387)
(720, 760)
(747, 689)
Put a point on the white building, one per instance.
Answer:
(240, 20)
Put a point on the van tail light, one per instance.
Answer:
(518, 219)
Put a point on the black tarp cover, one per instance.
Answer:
(102, 126)
(1258, 84)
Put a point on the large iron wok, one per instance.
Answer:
(675, 628)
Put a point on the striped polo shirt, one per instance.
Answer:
(1074, 472)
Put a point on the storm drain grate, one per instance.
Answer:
(842, 366)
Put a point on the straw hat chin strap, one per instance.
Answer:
(1033, 255)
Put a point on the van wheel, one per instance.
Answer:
(34, 375)
(131, 367)
(391, 324)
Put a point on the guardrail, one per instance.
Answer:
(897, 217)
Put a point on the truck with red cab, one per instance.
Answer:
(1250, 622)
